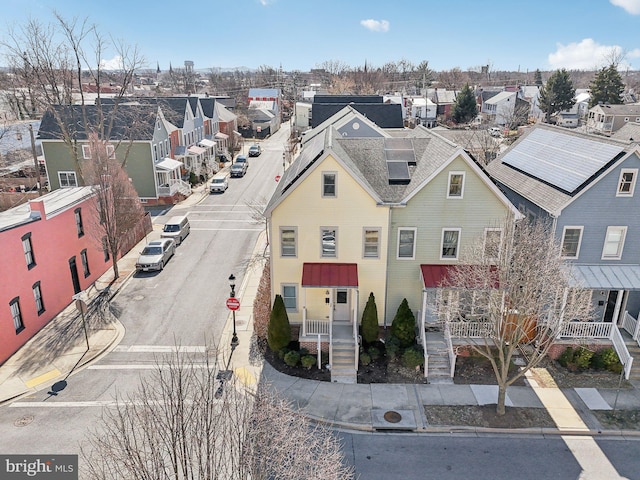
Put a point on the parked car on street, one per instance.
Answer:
(155, 255)
(219, 182)
(238, 169)
(255, 151)
(242, 159)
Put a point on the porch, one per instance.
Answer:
(168, 181)
(330, 315)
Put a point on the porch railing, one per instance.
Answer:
(586, 330)
(470, 329)
(621, 349)
(313, 327)
(632, 326)
(174, 186)
(450, 351)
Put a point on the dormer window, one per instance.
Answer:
(627, 182)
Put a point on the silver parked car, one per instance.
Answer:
(155, 255)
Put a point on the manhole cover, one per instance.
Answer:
(23, 421)
(392, 417)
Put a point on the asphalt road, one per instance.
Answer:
(183, 305)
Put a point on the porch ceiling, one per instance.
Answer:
(608, 277)
(168, 164)
(330, 275)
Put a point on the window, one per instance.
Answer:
(614, 243)
(288, 242)
(105, 249)
(67, 179)
(85, 263)
(627, 182)
(111, 151)
(37, 296)
(371, 238)
(450, 239)
(571, 238)
(27, 247)
(406, 243)
(16, 314)
(328, 248)
(328, 184)
(79, 226)
(492, 243)
(86, 152)
(456, 184)
(289, 296)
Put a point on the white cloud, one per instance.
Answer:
(375, 25)
(114, 64)
(630, 6)
(587, 55)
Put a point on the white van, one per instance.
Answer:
(176, 228)
(219, 182)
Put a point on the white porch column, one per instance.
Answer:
(616, 311)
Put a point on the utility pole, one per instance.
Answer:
(35, 159)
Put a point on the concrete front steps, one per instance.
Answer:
(343, 368)
(634, 351)
(439, 367)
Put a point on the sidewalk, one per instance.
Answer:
(51, 357)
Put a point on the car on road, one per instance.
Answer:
(155, 255)
(219, 182)
(238, 169)
(255, 151)
(242, 159)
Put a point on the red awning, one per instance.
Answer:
(330, 275)
(435, 275)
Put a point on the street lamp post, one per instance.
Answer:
(232, 284)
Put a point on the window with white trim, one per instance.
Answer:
(111, 151)
(67, 179)
(492, 243)
(407, 243)
(27, 248)
(16, 314)
(614, 243)
(288, 241)
(450, 243)
(86, 152)
(290, 296)
(329, 184)
(371, 242)
(627, 182)
(329, 242)
(456, 185)
(571, 240)
(37, 296)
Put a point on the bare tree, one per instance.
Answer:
(515, 288)
(117, 210)
(183, 423)
(50, 63)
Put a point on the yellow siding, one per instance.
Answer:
(349, 212)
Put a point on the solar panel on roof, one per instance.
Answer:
(565, 161)
(398, 171)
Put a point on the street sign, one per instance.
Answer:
(277, 178)
(233, 303)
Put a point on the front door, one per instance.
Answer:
(341, 305)
(610, 311)
(75, 279)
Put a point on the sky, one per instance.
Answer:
(302, 34)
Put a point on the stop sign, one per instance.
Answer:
(233, 303)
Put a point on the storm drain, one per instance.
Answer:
(399, 420)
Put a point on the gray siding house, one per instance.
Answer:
(585, 185)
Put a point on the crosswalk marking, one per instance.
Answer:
(160, 348)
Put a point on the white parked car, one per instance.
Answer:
(155, 255)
